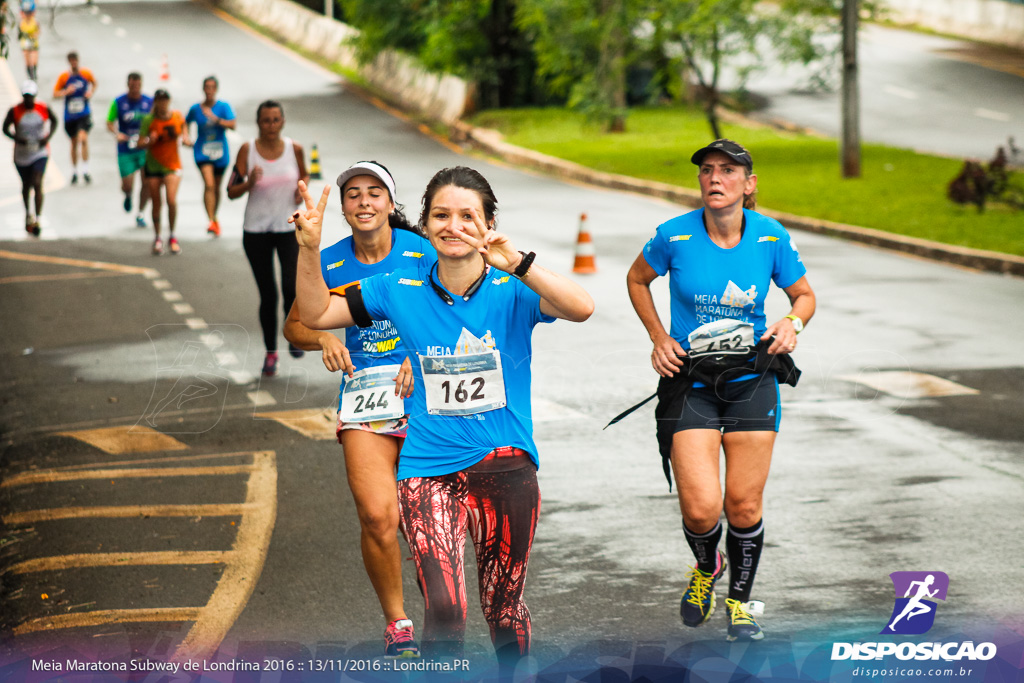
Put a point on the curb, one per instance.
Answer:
(490, 141)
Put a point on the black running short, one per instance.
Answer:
(72, 126)
(743, 406)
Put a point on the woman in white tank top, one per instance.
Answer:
(269, 168)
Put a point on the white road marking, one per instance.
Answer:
(910, 384)
(261, 398)
(214, 340)
(184, 309)
(171, 295)
(549, 411)
(120, 32)
(196, 323)
(899, 92)
(162, 284)
(225, 358)
(991, 115)
(105, 19)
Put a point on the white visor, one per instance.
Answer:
(368, 168)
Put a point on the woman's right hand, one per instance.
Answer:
(309, 222)
(336, 356)
(666, 356)
(254, 175)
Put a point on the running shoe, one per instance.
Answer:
(32, 228)
(128, 202)
(173, 244)
(88, 178)
(213, 229)
(698, 600)
(295, 351)
(270, 364)
(74, 178)
(400, 640)
(140, 222)
(158, 246)
(742, 625)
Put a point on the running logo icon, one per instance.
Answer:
(914, 612)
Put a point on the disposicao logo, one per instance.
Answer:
(913, 613)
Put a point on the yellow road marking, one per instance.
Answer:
(238, 580)
(314, 424)
(149, 461)
(16, 279)
(110, 616)
(112, 511)
(45, 564)
(132, 439)
(910, 384)
(95, 265)
(48, 476)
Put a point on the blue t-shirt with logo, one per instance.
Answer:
(709, 283)
(211, 143)
(502, 313)
(129, 114)
(380, 344)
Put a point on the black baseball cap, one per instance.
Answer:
(729, 148)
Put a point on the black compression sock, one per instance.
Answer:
(705, 547)
(744, 549)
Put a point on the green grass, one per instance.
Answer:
(899, 190)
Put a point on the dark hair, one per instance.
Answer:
(397, 218)
(135, 76)
(466, 178)
(161, 94)
(206, 80)
(749, 200)
(72, 55)
(268, 104)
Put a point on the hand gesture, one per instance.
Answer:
(404, 380)
(495, 247)
(255, 175)
(309, 223)
(785, 337)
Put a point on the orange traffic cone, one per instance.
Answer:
(165, 72)
(584, 250)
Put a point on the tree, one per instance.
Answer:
(703, 37)
(583, 49)
(475, 39)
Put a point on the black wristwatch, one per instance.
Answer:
(524, 265)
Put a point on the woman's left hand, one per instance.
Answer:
(495, 247)
(404, 381)
(785, 337)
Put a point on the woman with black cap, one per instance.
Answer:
(720, 367)
(372, 419)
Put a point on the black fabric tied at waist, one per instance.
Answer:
(714, 370)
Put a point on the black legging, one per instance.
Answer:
(259, 248)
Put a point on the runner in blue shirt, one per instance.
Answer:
(721, 260)
(371, 422)
(124, 119)
(77, 86)
(213, 118)
(469, 461)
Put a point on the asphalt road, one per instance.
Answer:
(917, 91)
(206, 513)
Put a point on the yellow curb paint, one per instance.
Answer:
(910, 384)
(51, 476)
(77, 263)
(132, 439)
(239, 578)
(112, 511)
(112, 616)
(320, 425)
(58, 562)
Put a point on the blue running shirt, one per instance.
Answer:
(502, 313)
(380, 344)
(709, 283)
(129, 114)
(211, 143)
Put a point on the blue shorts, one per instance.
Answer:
(746, 406)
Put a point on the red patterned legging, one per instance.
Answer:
(500, 510)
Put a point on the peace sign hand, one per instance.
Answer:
(309, 223)
(495, 247)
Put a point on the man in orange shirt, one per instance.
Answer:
(77, 86)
